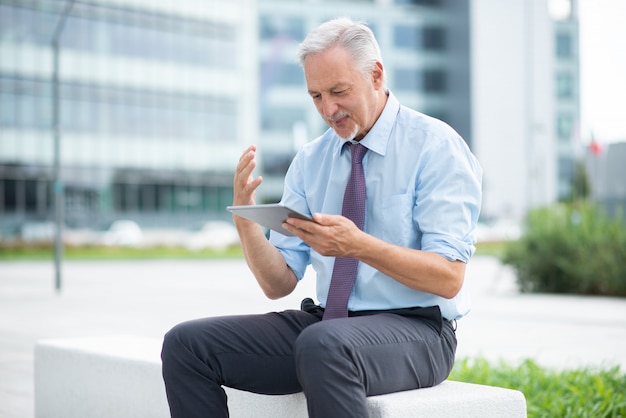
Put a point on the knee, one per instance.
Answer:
(174, 340)
(319, 345)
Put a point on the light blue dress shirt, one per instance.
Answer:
(423, 192)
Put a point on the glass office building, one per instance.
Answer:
(156, 101)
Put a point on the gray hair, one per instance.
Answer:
(355, 37)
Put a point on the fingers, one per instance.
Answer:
(320, 220)
(244, 184)
(247, 162)
(248, 153)
(329, 235)
(328, 220)
(300, 226)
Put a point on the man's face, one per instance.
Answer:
(347, 101)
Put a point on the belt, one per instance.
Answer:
(430, 314)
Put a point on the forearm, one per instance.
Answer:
(337, 236)
(420, 270)
(266, 263)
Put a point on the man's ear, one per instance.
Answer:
(377, 75)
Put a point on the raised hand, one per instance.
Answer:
(244, 184)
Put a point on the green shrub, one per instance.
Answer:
(570, 249)
(579, 393)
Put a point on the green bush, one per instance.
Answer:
(570, 249)
(579, 393)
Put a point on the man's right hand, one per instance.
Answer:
(265, 261)
(244, 184)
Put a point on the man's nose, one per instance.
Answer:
(329, 107)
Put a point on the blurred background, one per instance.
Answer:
(123, 120)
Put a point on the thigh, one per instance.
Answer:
(248, 352)
(386, 352)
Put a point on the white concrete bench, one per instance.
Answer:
(120, 377)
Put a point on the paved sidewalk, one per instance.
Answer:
(146, 298)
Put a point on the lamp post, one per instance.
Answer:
(59, 187)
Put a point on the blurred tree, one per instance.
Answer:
(581, 186)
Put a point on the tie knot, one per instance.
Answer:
(358, 152)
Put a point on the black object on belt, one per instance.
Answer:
(429, 314)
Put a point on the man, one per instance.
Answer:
(422, 200)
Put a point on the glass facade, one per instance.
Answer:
(567, 100)
(565, 127)
(105, 110)
(565, 86)
(128, 32)
(412, 37)
(423, 81)
(564, 45)
(151, 108)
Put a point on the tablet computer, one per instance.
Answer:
(271, 216)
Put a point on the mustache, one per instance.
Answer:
(336, 116)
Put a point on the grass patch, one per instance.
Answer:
(578, 393)
(46, 252)
(493, 248)
(14, 252)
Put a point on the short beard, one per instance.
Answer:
(351, 136)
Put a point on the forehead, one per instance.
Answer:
(330, 68)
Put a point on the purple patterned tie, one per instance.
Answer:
(344, 271)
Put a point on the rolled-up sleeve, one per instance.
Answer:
(448, 199)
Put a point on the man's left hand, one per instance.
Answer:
(329, 235)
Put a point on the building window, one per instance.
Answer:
(169, 196)
(18, 24)
(429, 38)
(564, 86)
(25, 195)
(434, 81)
(434, 38)
(25, 103)
(424, 81)
(564, 45)
(564, 127)
(407, 37)
(278, 72)
(406, 79)
(566, 170)
(282, 118)
(281, 27)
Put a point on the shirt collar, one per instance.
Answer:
(378, 137)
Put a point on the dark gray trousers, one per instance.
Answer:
(337, 363)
